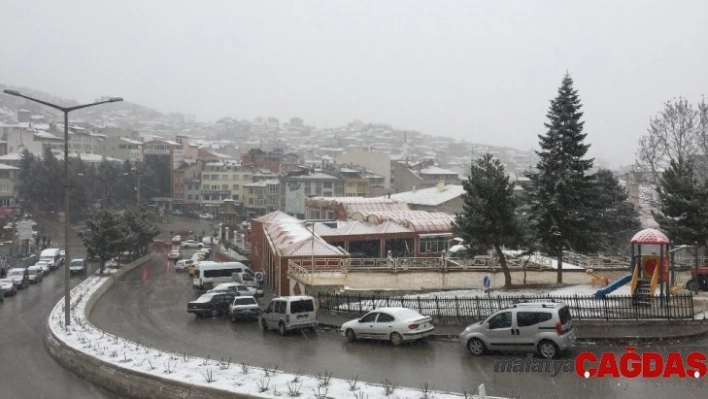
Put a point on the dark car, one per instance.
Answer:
(211, 304)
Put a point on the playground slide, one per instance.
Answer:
(601, 293)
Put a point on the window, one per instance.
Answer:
(250, 201)
(433, 244)
(224, 186)
(301, 306)
(214, 177)
(328, 185)
(280, 307)
(369, 318)
(525, 319)
(385, 318)
(235, 186)
(502, 320)
(564, 314)
(205, 177)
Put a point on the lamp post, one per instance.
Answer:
(136, 170)
(65, 110)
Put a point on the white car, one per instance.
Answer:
(238, 289)
(77, 266)
(175, 254)
(191, 244)
(389, 324)
(44, 266)
(177, 239)
(182, 265)
(244, 307)
(35, 274)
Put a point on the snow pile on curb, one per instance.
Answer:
(223, 374)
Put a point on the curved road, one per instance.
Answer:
(149, 306)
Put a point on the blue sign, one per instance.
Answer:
(259, 276)
(487, 282)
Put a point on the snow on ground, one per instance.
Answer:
(230, 376)
(544, 260)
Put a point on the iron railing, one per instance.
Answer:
(581, 307)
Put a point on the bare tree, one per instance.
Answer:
(673, 135)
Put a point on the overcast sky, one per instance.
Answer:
(483, 71)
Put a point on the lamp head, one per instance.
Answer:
(11, 92)
(115, 99)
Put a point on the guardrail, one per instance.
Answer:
(479, 307)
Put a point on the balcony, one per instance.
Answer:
(216, 192)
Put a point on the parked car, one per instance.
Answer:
(244, 307)
(160, 244)
(77, 266)
(177, 239)
(62, 255)
(19, 276)
(7, 286)
(191, 244)
(213, 304)
(290, 313)
(44, 266)
(543, 327)
(394, 324)
(237, 289)
(177, 212)
(182, 265)
(112, 263)
(175, 254)
(35, 274)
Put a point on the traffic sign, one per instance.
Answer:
(24, 230)
(259, 277)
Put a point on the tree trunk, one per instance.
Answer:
(560, 266)
(504, 267)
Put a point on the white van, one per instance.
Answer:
(289, 313)
(52, 256)
(213, 273)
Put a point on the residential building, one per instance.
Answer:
(261, 197)
(187, 186)
(222, 180)
(8, 190)
(275, 160)
(159, 154)
(123, 148)
(375, 161)
(295, 187)
(413, 176)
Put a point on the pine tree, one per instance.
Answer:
(558, 190)
(683, 211)
(109, 236)
(488, 219)
(614, 220)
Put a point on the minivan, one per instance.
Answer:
(289, 313)
(52, 256)
(542, 327)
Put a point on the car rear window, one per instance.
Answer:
(301, 306)
(245, 301)
(564, 314)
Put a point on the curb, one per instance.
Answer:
(613, 340)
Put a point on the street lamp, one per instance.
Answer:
(65, 110)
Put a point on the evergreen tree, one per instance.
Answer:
(683, 204)
(488, 219)
(615, 219)
(142, 228)
(108, 238)
(558, 190)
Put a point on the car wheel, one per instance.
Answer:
(476, 346)
(692, 285)
(282, 329)
(396, 338)
(214, 313)
(351, 335)
(264, 325)
(547, 349)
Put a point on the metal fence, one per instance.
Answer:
(479, 307)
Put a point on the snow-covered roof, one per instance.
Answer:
(420, 221)
(344, 228)
(46, 135)
(291, 238)
(7, 167)
(432, 196)
(434, 170)
(130, 141)
(14, 156)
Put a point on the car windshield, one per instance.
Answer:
(15, 273)
(204, 298)
(6, 281)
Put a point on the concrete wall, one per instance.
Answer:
(412, 281)
(126, 382)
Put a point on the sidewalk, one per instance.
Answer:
(627, 331)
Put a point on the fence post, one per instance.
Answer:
(373, 302)
(457, 308)
(420, 309)
(360, 304)
(387, 300)
(479, 313)
(607, 312)
(437, 306)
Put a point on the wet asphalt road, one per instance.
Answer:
(26, 368)
(149, 306)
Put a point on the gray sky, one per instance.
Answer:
(484, 71)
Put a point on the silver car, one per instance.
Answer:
(543, 327)
(7, 286)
